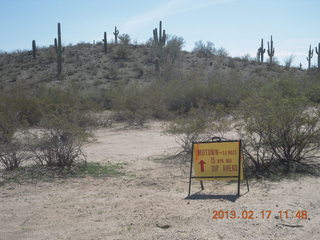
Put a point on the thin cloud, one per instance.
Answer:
(171, 7)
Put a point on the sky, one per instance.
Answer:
(236, 25)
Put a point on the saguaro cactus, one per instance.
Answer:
(34, 49)
(310, 55)
(105, 46)
(270, 50)
(261, 51)
(161, 39)
(59, 49)
(318, 52)
(116, 33)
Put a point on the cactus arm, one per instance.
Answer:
(155, 35)
(164, 37)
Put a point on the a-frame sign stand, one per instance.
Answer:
(224, 157)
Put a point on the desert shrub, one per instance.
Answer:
(181, 96)
(71, 105)
(173, 48)
(11, 150)
(310, 86)
(247, 58)
(186, 92)
(49, 54)
(222, 52)
(13, 154)
(124, 39)
(188, 128)
(165, 56)
(198, 124)
(8, 120)
(204, 49)
(64, 115)
(26, 106)
(58, 147)
(288, 61)
(278, 130)
(61, 140)
(131, 104)
(122, 51)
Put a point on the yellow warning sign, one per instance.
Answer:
(217, 159)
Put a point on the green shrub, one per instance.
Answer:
(199, 124)
(58, 147)
(173, 48)
(131, 104)
(60, 143)
(278, 129)
(122, 52)
(8, 122)
(64, 117)
(188, 128)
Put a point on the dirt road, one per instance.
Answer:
(148, 200)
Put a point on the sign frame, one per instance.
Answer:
(218, 140)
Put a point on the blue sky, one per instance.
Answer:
(236, 25)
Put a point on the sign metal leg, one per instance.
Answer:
(201, 183)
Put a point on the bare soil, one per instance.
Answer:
(149, 200)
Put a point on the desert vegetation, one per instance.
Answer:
(47, 112)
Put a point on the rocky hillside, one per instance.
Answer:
(86, 65)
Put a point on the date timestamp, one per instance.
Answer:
(264, 214)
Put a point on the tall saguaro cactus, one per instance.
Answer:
(270, 50)
(261, 51)
(160, 39)
(34, 49)
(59, 49)
(105, 46)
(318, 52)
(310, 55)
(116, 33)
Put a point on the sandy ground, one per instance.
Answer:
(148, 201)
